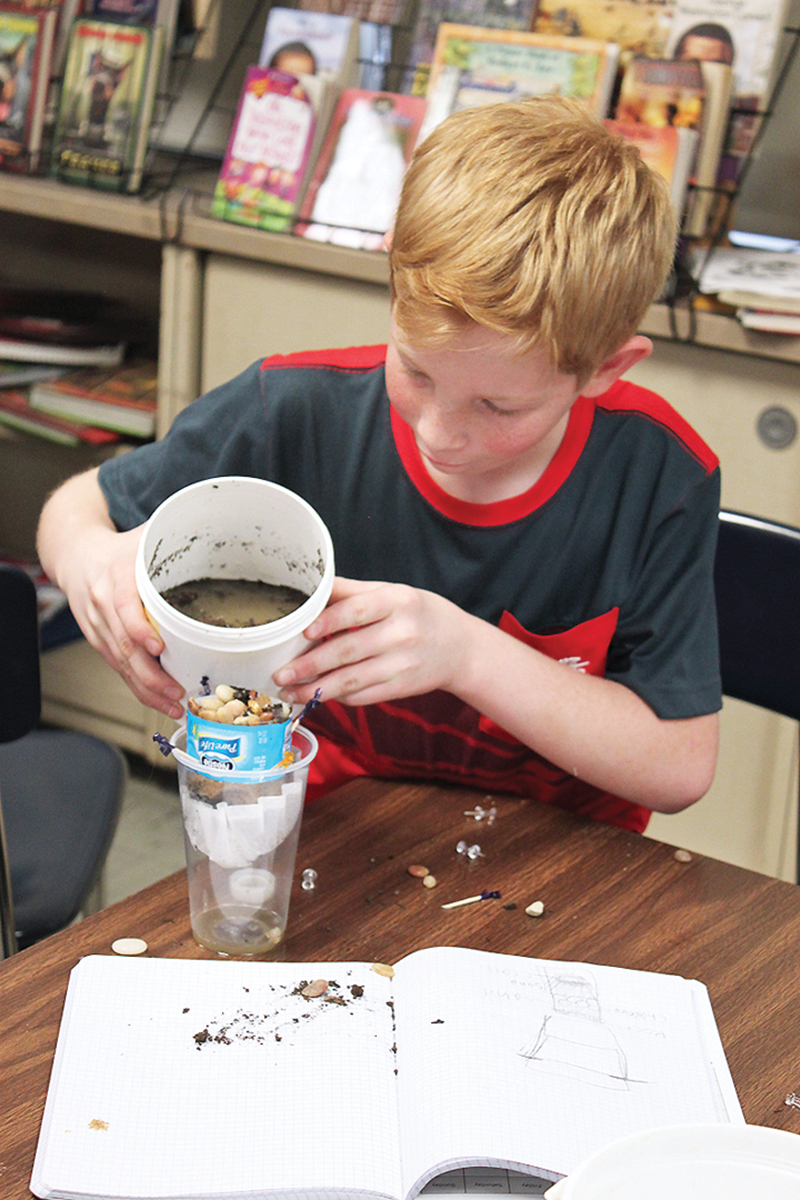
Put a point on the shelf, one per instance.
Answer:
(180, 217)
(283, 249)
(717, 332)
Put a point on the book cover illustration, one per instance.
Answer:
(26, 41)
(310, 43)
(353, 193)
(267, 154)
(745, 34)
(481, 66)
(103, 104)
(662, 92)
(637, 26)
(670, 150)
(516, 14)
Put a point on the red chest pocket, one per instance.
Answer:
(584, 648)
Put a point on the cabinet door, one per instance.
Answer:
(255, 309)
(746, 409)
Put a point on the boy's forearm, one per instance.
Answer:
(74, 510)
(595, 728)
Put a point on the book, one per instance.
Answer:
(17, 412)
(354, 189)
(106, 105)
(265, 167)
(381, 12)
(473, 66)
(20, 375)
(26, 51)
(768, 320)
(65, 317)
(121, 399)
(660, 92)
(670, 150)
(637, 26)
(374, 55)
(701, 218)
(308, 43)
(515, 14)
(163, 13)
(752, 300)
(68, 11)
(773, 275)
(745, 34)
(176, 1077)
(20, 350)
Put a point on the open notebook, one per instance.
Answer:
(178, 1078)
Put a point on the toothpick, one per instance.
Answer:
(472, 899)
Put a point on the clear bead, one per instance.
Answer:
(461, 847)
(309, 878)
(474, 851)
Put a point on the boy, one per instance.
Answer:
(545, 533)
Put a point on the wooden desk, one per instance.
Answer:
(611, 897)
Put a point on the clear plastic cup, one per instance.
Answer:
(240, 831)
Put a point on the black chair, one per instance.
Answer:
(757, 581)
(60, 791)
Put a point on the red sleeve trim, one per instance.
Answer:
(351, 358)
(502, 512)
(624, 396)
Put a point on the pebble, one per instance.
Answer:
(418, 871)
(318, 988)
(429, 881)
(383, 969)
(682, 856)
(129, 946)
(239, 706)
(536, 909)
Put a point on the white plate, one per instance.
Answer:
(695, 1162)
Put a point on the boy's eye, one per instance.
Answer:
(497, 408)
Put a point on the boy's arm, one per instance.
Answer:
(81, 551)
(386, 641)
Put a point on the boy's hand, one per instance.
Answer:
(376, 642)
(101, 585)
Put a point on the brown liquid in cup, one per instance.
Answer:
(234, 603)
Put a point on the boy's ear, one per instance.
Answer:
(634, 350)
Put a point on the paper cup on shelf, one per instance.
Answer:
(695, 1162)
(233, 527)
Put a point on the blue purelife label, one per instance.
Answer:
(237, 747)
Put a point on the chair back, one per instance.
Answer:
(19, 654)
(757, 581)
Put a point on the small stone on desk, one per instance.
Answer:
(129, 946)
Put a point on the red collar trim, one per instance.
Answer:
(501, 512)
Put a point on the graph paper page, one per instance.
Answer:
(536, 1062)
(184, 1078)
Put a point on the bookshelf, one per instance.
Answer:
(223, 295)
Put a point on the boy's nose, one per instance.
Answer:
(440, 429)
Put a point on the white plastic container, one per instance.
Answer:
(233, 527)
(694, 1162)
